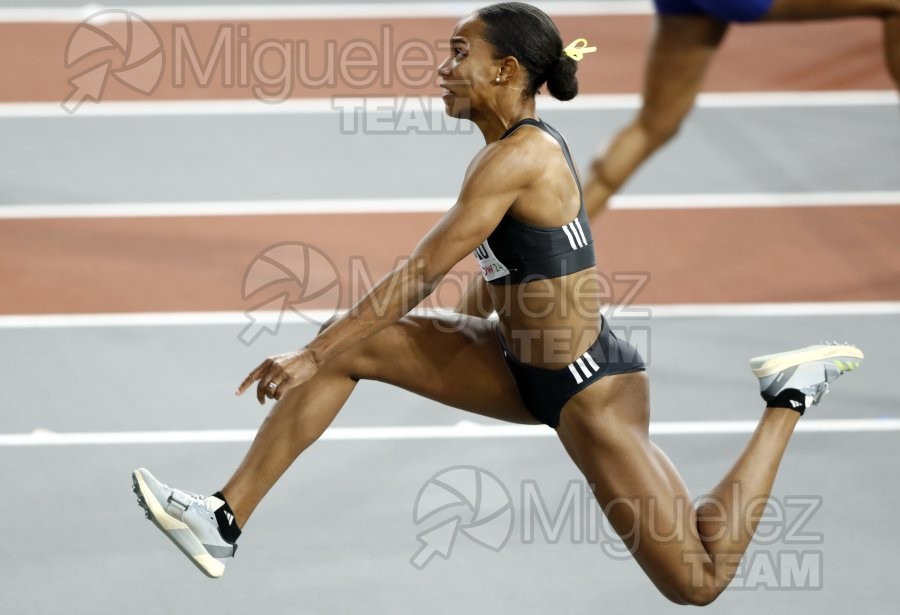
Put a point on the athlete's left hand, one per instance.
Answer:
(279, 374)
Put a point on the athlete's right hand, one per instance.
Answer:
(279, 374)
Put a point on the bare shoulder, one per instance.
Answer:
(517, 159)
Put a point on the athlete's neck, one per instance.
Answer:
(496, 120)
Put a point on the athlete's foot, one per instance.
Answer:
(187, 519)
(799, 378)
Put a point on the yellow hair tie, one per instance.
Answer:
(578, 48)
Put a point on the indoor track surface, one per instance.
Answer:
(139, 237)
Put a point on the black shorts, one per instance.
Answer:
(546, 391)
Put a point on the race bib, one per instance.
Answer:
(491, 267)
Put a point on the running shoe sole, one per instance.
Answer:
(845, 357)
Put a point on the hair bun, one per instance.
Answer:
(529, 35)
(561, 80)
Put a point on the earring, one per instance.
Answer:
(497, 79)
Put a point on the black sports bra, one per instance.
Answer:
(517, 252)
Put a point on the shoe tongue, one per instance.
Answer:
(213, 503)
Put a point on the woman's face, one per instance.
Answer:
(468, 76)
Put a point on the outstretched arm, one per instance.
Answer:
(493, 182)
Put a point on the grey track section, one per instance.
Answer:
(182, 377)
(337, 532)
(305, 156)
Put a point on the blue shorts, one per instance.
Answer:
(546, 391)
(722, 10)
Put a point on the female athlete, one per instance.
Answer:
(549, 358)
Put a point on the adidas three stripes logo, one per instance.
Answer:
(575, 234)
(585, 365)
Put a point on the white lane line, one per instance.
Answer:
(425, 104)
(431, 205)
(775, 199)
(324, 10)
(235, 208)
(756, 310)
(312, 317)
(463, 429)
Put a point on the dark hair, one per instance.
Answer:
(529, 35)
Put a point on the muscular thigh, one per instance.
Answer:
(682, 48)
(606, 432)
(455, 360)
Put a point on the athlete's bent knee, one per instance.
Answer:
(693, 595)
(697, 599)
(658, 132)
(366, 359)
(700, 596)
